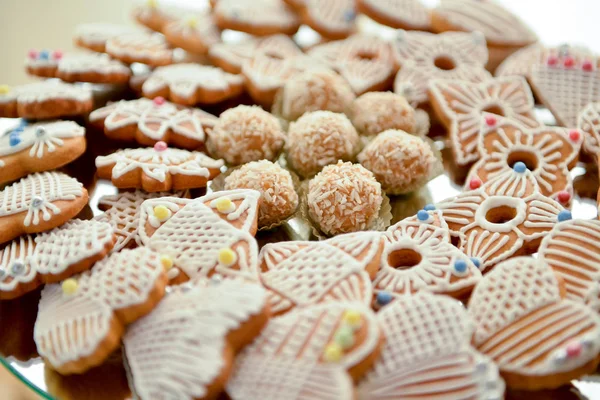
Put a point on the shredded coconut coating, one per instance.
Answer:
(279, 199)
(246, 133)
(398, 160)
(375, 112)
(344, 198)
(313, 90)
(318, 139)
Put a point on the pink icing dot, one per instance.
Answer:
(490, 120)
(574, 135)
(574, 349)
(159, 101)
(552, 60)
(475, 183)
(160, 146)
(564, 196)
(57, 54)
(32, 54)
(569, 62)
(587, 66)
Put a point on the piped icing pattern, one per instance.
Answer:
(460, 104)
(588, 123)
(334, 19)
(143, 47)
(262, 17)
(424, 56)
(399, 14)
(195, 33)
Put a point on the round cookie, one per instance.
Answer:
(119, 290)
(401, 162)
(398, 14)
(538, 339)
(333, 19)
(141, 47)
(191, 84)
(344, 198)
(318, 139)
(425, 56)
(459, 104)
(39, 147)
(246, 133)
(39, 202)
(316, 89)
(256, 17)
(588, 122)
(93, 36)
(375, 112)
(193, 33)
(150, 121)
(279, 199)
(44, 100)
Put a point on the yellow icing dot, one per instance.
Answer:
(152, 3)
(224, 205)
(4, 89)
(166, 261)
(192, 22)
(162, 213)
(70, 286)
(352, 318)
(333, 353)
(227, 257)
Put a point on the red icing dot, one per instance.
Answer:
(159, 101)
(564, 196)
(587, 66)
(490, 120)
(574, 349)
(574, 135)
(475, 183)
(32, 54)
(160, 146)
(552, 60)
(57, 54)
(569, 62)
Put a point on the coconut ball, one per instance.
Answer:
(375, 112)
(244, 134)
(344, 198)
(318, 139)
(275, 184)
(400, 161)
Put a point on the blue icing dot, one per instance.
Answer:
(14, 140)
(422, 215)
(383, 298)
(43, 55)
(564, 215)
(350, 15)
(23, 122)
(460, 266)
(429, 207)
(476, 262)
(520, 167)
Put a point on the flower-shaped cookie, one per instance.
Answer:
(425, 56)
(507, 147)
(459, 105)
(191, 84)
(186, 346)
(158, 169)
(195, 33)
(427, 354)
(299, 274)
(589, 123)
(80, 323)
(204, 236)
(93, 36)
(537, 339)
(143, 47)
(29, 261)
(150, 121)
(399, 14)
(507, 216)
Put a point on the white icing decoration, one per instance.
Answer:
(257, 13)
(410, 13)
(18, 250)
(334, 17)
(139, 45)
(48, 90)
(146, 215)
(588, 122)
(97, 33)
(83, 63)
(195, 27)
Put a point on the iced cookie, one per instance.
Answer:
(537, 339)
(44, 100)
(427, 354)
(399, 14)
(588, 123)
(300, 274)
(39, 147)
(316, 89)
(81, 321)
(186, 346)
(256, 17)
(366, 62)
(507, 147)
(93, 36)
(29, 261)
(209, 235)
(279, 199)
(158, 169)
(375, 112)
(150, 121)
(142, 47)
(334, 19)
(504, 218)
(191, 84)
(246, 133)
(77, 67)
(154, 14)
(195, 33)
(459, 104)
(319, 139)
(38, 203)
(425, 56)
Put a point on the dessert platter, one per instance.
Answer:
(300, 199)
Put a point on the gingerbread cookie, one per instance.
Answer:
(118, 291)
(256, 17)
(459, 104)
(77, 67)
(191, 84)
(427, 354)
(50, 257)
(334, 19)
(44, 100)
(39, 147)
(142, 47)
(158, 169)
(588, 123)
(221, 226)
(537, 339)
(193, 33)
(366, 62)
(150, 121)
(38, 203)
(399, 14)
(299, 274)
(93, 36)
(375, 112)
(506, 217)
(507, 147)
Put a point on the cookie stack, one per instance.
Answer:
(448, 303)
